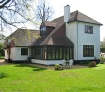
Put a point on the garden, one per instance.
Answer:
(27, 78)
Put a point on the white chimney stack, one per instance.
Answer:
(66, 13)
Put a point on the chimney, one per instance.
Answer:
(66, 13)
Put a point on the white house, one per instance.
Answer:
(72, 36)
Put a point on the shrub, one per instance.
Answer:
(102, 49)
(58, 67)
(92, 64)
(2, 75)
(0, 54)
(102, 59)
(101, 62)
(2, 49)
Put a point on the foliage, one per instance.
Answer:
(101, 62)
(102, 59)
(102, 49)
(1, 49)
(25, 78)
(15, 12)
(58, 67)
(92, 64)
(2, 75)
(2, 57)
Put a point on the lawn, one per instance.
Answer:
(2, 57)
(24, 78)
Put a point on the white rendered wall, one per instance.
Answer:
(71, 33)
(16, 54)
(12, 53)
(81, 38)
(88, 39)
(6, 54)
(46, 62)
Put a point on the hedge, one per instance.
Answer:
(102, 50)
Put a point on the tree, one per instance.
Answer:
(14, 12)
(44, 12)
(1, 49)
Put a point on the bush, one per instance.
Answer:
(92, 64)
(102, 49)
(58, 67)
(2, 49)
(0, 54)
(2, 75)
(102, 59)
(101, 62)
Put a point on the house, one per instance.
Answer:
(17, 45)
(72, 36)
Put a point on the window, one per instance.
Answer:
(43, 31)
(44, 28)
(59, 53)
(88, 50)
(52, 52)
(24, 51)
(88, 29)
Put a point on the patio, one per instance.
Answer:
(44, 66)
(53, 67)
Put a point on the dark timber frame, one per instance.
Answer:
(51, 52)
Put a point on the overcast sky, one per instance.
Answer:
(91, 8)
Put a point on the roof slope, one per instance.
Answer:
(51, 39)
(50, 24)
(61, 41)
(24, 37)
(77, 16)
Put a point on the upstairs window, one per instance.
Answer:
(88, 29)
(43, 31)
(24, 51)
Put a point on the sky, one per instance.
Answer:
(91, 8)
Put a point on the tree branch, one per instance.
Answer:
(43, 11)
(3, 3)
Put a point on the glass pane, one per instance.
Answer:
(67, 54)
(49, 53)
(57, 53)
(71, 54)
(53, 52)
(64, 53)
(61, 54)
(88, 50)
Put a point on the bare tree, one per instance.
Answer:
(44, 12)
(14, 12)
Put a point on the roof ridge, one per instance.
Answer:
(77, 16)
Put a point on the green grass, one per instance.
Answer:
(2, 57)
(24, 78)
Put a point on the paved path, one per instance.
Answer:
(2, 62)
(53, 67)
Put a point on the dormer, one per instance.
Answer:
(46, 27)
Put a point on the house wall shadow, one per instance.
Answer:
(35, 68)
